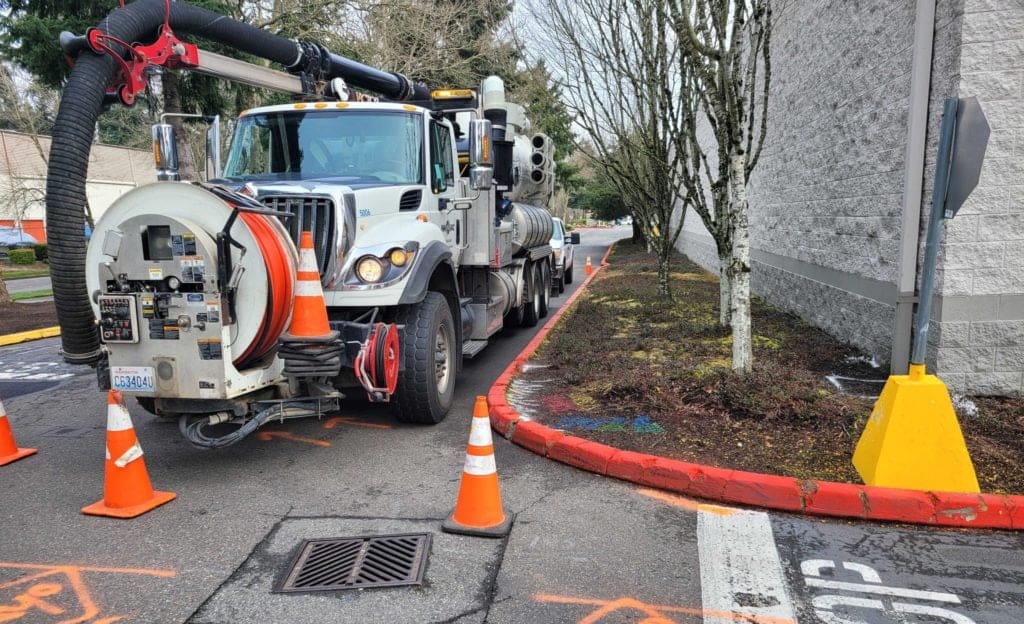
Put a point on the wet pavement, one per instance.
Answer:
(583, 548)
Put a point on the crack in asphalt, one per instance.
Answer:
(234, 574)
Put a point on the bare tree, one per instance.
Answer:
(623, 79)
(727, 58)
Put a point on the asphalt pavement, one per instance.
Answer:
(28, 284)
(583, 548)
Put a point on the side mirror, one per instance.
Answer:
(213, 146)
(481, 163)
(165, 152)
(575, 238)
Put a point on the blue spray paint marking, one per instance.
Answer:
(614, 424)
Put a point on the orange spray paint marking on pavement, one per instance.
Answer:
(340, 420)
(653, 614)
(39, 593)
(686, 503)
(267, 436)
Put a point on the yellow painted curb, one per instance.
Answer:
(35, 334)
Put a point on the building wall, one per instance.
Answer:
(980, 315)
(826, 196)
(826, 200)
(113, 171)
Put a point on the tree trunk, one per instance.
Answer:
(724, 289)
(172, 104)
(638, 233)
(5, 297)
(739, 269)
(664, 268)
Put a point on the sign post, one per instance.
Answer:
(912, 439)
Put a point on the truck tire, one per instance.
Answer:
(544, 286)
(426, 383)
(568, 274)
(532, 312)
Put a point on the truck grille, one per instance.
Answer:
(315, 214)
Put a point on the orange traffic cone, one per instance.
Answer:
(478, 508)
(309, 314)
(9, 451)
(127, 491)
(589, 268)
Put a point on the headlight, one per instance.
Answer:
(558, 255)
(399, 257)
(369, 269)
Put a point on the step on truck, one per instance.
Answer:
(426, 209)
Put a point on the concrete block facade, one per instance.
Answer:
(828, 198)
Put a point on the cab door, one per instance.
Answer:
(443, 184)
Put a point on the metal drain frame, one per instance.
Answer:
(416, 571)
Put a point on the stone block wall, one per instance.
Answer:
(826, 200)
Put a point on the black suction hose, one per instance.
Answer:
(83, 101)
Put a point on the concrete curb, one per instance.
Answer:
(805, 496)
(35, 334)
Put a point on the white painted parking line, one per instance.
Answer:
(913, 594)
(740, 568)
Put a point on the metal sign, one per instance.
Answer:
(969, 143)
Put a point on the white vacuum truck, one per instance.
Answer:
(429, 228)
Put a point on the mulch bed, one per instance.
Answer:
(633, 370)
(19, 317)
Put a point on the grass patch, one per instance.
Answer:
(39, 270)
(624, 351)
(32, 294)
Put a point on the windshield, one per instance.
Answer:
(361, 146)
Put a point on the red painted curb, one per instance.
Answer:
(818, 498)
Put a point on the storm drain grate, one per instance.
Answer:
(358, 562)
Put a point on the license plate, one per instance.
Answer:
(132, 378)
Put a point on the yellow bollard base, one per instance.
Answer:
(913, 439)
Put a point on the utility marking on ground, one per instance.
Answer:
(826, 605)
(340, 420)
(686, 503)
(653, 613)
(267, 436)
(40, 592)
(740, 568)
(34, 371)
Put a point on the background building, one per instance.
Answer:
(839, 202)
(112, 172)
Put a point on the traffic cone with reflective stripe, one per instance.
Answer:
(127, 491)
(9, 451)
(309, 314)
(478, 508)
(589, 268)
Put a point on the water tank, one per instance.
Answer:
(532, 227)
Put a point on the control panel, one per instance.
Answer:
(118, 322)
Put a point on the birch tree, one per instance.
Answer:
(623, 80)
(727, 58)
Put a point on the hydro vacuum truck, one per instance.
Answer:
(425, 207)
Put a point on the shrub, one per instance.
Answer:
(41, 252)
(22, 256)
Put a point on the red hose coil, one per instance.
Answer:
(280, 286)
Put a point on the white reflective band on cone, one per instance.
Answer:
(118, 418)
(134, 452)
(3, 412)
(307, 260)
(480, 432)
(308, 288)
(480, 466)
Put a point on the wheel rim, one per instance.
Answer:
(442, 359)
